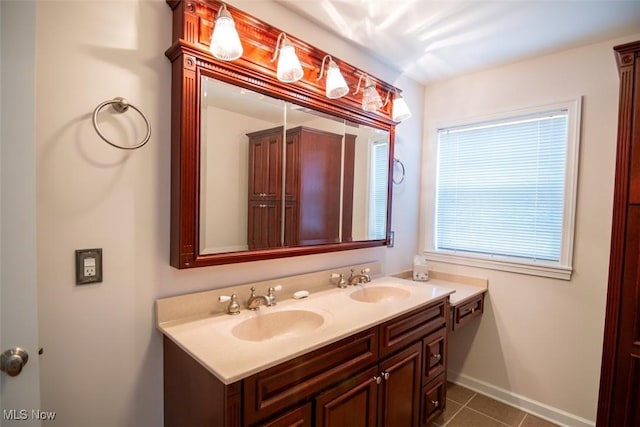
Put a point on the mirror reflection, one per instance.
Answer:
(274, 174)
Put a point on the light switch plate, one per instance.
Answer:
(88, 266)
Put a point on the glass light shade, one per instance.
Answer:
(225, 42)
(400, 110)
(336, 86)
(370, 98)
(289, 68)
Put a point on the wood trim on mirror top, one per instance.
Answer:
(191, 59)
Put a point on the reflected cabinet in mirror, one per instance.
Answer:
(262, 169)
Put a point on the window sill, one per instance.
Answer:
(542, 269)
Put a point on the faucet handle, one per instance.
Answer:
(365, 270)
(233, 307)
(338, 279)
(271, 294)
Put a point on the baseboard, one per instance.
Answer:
(538, 409)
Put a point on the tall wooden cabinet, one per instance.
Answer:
(619, 400)
(312, 187)
(265, 188)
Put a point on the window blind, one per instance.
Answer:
(501, 188)
(378, 202)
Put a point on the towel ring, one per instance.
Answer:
(120, 105)
(397, 161)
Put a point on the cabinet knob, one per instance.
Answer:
(436, 357)
(435, 403)
(385, 375)
(377, 379)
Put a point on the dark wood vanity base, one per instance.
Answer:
(391, 374)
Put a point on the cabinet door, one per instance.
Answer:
(626, 392)
(348, 187)
(298, 417)
(292, 166)
(352, 403)
(265, 166)
(290, 221)
(319, 174)
(264, 225)
(399, 400)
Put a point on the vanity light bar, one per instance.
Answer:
(226, 45)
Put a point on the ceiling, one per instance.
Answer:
(430, 40)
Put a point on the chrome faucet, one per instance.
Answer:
(363, 277)
(255, 301)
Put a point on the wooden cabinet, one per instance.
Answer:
(383, 376)
(385, 395)
(265, 189)
(312, 187)
(313, 175)
(285, 385)
(469, 310)
(352, 403)
(399, 391)
(619, 400)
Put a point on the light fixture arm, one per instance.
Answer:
(359, 82)
(223, 12)
(386, 100)
(322, 66)
(282, 39)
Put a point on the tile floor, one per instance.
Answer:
(466, 408)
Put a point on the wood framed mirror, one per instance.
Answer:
(263, 169)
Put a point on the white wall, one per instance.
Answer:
(102, 361)
(540, 340)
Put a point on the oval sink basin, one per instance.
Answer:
(379, 294)
(278, 324)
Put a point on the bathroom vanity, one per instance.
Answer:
(367, 355)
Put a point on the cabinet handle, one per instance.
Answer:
(385, 375)
(262, 206)
(377, 379)
(436, 356)
(435, 403)
(470, 310)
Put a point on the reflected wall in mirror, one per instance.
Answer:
(274, 174)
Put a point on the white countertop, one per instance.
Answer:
(462, 294)
(210, 339)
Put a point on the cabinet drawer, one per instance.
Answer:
(411, 327)
(467, 311)
(285, 385)
(434, 355)
(433, 400)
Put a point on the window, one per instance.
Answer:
(505, 192)
(379, 188)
